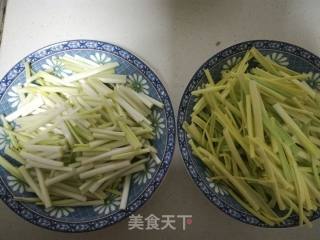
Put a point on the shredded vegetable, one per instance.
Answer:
(77, 140)
(257, 130)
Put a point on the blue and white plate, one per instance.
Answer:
(140, 78)
(285, 54)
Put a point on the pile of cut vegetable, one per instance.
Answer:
(257, 130)
(78, 139)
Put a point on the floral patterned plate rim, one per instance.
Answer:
(283, 53)
(141, 78)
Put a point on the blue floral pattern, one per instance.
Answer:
(144, 176)
(111, 204)
(59, 212)
(4, 140)
(16, 185)
(214, 185)
(83, 219)
(56, 67)
(100, 58)
(314, 80)
(157, 123)
(231, 63)
(138, 83)
(14, 97)
(278, 58)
